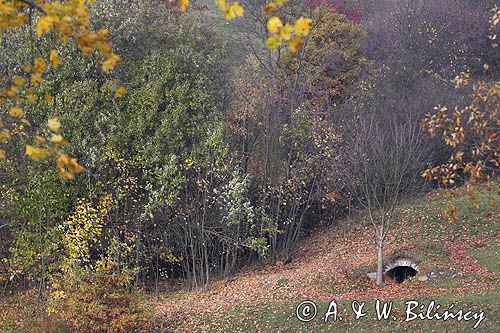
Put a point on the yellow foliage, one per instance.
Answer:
(110, 63)
(48, 99)
(54, 125)
(44, 25)
(450, 213)
(230, 11)
(18, 81)
(16, 112)
(274, 5)
(302, 27)
(274, 25)
(83, 229)
(295, 45)
(273, 42)
(4, 135)
(70, 20)
(37, 154)
(68, 167)
(270, 7)
(58, 139)
(30, 98)
(285, 32)
(184, 4)
(55, 61)
(120, 92)
(37, 71)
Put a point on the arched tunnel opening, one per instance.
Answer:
(401, 273)
(401, 268)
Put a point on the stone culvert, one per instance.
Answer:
(401, 268)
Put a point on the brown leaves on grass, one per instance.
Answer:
(324, 268)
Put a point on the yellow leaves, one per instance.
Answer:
(274, 5)
(59, 294)
(285, 32)
(450, 213)
(274, 25)
(171, 258)
(236, 11)
(303, 27)
(89, 42)
(16, 112)
(69, 19)
(37, 71)
(37, 154)
(54, 125)
(57, 139)
(110, 63)
(48, 99)
(55, 60)
(270, 7)
(273, 42)
(30, 98)
(461, 81)
(68, 167)
(2, 154)
(184, 4)
(120, 92)
(231, 11)
(44, 25)
(18, 81)
(458, 156)
(10, 91)
(279, 32)
(82, 230)
(295, 45)
(40, 139)
(4, 135)
(11, 15)
(86, 43)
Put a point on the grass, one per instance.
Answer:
(282, 317)
(488, 258)
(476, 218)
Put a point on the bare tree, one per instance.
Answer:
(383, 162)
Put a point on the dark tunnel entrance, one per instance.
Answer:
(401, 273)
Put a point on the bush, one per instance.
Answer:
(97, 299)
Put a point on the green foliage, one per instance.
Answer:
(193, 166)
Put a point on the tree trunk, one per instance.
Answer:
(380, 263)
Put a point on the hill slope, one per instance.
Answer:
(332, 264)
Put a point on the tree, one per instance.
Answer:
(382, 160)
(471, 131)
(70, 20)
(280, 121)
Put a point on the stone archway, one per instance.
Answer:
(401, 268)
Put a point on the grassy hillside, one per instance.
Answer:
(331, 265)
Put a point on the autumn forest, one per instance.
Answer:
(205, 166)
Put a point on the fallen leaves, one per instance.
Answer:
(323, 270)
